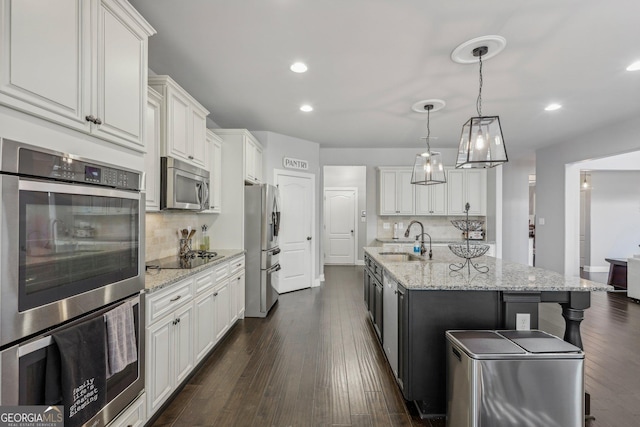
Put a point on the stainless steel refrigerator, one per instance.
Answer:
(261, 226)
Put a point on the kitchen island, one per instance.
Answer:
(429, 299)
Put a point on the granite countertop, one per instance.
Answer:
(434, 241)
(155, 280)
(502, 276)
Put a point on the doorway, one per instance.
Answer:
(297, 226)
(340, 220)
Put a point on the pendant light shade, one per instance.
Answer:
(428, 168)
(481, 141)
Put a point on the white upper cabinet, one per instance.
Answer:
(214, 166)
(78, 63)
(467, 186)
(253, 160)
(251, 153)
(397, 194)
(431, 199)
(184, 123)
(152, 156)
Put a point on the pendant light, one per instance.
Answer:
(481, 142)
(428, 168)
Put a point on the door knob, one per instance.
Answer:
(351, 231)
(308, 237)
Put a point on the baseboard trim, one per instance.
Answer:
(318, 281)
(360, 262)
(595, 269)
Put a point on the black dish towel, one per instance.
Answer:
(76, 371)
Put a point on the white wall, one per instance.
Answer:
(615, 217)
(552, 191)
(351, 176)
(515, 209)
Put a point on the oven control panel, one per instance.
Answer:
(47, 165)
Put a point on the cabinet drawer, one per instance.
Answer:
(163, 302)
(221, 272)
(236, 265)
(133, 416)
(203, 282)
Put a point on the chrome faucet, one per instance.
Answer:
(423, 248)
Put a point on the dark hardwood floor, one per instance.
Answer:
(315, 361)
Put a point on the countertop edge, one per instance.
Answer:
(410, 275)
(167, 277)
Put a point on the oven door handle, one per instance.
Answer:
(35, 346)
(25, 184)
(48, 339)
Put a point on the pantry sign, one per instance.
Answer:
(290, 163)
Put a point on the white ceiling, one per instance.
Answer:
(371, 60)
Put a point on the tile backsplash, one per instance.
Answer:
(162, 231)
(439, 227)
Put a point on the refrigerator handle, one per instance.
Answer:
(275, 219)
(276, 251)
(274, 269)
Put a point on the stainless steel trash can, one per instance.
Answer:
(513, 379)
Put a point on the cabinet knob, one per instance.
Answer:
(397, 211)
(97, 121)
(308, 237)
(215, 294)
(190, 157)
(90, 118)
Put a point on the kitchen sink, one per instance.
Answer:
(400, 257)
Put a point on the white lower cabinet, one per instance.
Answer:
(239, 281)
(184, 323)
(169, 349)
(221, 308)
(134, 416)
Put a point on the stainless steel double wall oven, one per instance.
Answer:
(71, 248)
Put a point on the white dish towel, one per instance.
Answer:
(121, 338)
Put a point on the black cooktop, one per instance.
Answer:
(196, 259)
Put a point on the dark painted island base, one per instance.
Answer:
(425, 315)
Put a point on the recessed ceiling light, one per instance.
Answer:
(306, 108)
(298, 67)
(553, 107)
(634, 67)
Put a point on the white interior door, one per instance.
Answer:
(339, 225)
(296, 231)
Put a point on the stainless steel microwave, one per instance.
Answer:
(183, 186)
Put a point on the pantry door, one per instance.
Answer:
(297, 228)
(340, 225)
